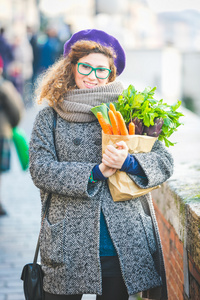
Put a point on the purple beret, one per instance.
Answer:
(102, 38)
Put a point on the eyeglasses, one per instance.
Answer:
(85, 69)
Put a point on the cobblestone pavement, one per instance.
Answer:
(20, 227)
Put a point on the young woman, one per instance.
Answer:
(90, 244)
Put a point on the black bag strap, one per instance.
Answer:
(48, 198)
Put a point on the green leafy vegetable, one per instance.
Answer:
(103, 108)
(143, 106)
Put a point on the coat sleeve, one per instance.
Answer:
(66, 178)
(12, 103)
(157, 166)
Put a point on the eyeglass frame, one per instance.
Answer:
(93, 69)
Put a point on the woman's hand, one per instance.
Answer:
(106, 171)
(115, 157)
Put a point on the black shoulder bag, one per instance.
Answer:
(32, 274)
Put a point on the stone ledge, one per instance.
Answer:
(179, 198)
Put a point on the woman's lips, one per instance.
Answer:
(89, 85)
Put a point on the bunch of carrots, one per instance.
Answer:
(118, 125)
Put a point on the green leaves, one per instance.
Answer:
(145, 107)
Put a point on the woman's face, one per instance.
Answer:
(95, 60)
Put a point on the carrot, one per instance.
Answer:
(107, 129)
(121, 122)
(112, 107)
(113, 120)
(131, 128)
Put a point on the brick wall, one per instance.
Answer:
(183, 275)
(194, 279)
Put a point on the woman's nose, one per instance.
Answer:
(92, 75)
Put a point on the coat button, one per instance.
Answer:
(97, 142)
(77, 141)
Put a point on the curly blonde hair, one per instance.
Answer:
(59, 78)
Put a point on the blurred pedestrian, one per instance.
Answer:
(21, 69)
(51, 49)
(33, 39)
(11, 108)
(89, 243)
(5, 50)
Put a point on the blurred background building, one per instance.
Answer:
(161, 38)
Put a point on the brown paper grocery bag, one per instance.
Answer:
(121, 186)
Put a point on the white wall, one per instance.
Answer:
(175, 74)
(143, 68)
(191, 77)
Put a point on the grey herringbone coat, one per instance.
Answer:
(69, 242)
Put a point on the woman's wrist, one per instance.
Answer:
(98, 172)
(101, 168)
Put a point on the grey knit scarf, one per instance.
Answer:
(77, 103)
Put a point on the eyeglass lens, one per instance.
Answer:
(100, 73)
